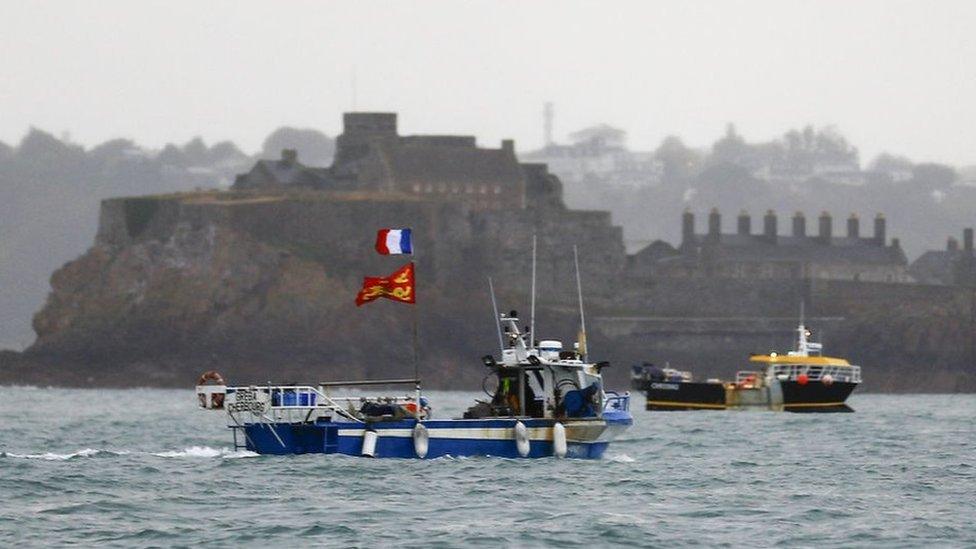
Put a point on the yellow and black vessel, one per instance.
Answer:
(802, 380)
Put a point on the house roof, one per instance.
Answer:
(438, 164)
(935, 266)
(284, 173)
(841, 250)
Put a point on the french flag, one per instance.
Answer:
(394, 241)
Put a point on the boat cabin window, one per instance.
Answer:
(507, 395)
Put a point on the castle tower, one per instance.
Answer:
(880, 237)
(687, 228)
(745, 223)
(853, 226)
(714, 225)
(359, 129)
(548, 114)
(826, 228)
(799, 225)
(770, 226)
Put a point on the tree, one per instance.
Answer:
(886, 162)
(679, 161)
(731, 147)
(930, 175)
(314, 147)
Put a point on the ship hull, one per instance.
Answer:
(585, 438)
(789, 396)
(678, 396)
(815, 397)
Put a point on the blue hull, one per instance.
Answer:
(586, 439)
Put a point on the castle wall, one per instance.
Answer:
(457, 245)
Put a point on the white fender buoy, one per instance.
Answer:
(559, 448)
(521, 439)
(421, 440)
(827, 379)
(369, 443)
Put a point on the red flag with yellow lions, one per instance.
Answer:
(399, 286)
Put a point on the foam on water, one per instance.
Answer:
(51, 456)
(206, 452)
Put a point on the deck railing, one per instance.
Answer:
(817, 372)
(616, 402)
(291, 403)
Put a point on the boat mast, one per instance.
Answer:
(801, 338)
(579, 293)
(532, 337)
(498, 324)
(416, 342)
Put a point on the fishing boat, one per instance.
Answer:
(546, 402)
(542, 401)
(802, 380)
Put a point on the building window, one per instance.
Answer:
(416, 187)
(498, 189)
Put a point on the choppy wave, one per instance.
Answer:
(206, 452)
(189, 452)
(51, 456)
(150, 471)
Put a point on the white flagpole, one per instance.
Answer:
(532, 338)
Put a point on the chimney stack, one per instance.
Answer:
(769, 226)
(967, 240)
(745, 223)
(508, 145)
(826, 227)
(952, 245)
(880, 237)
(853, 226)
(687, 228)
(714, 224)
(799, 225)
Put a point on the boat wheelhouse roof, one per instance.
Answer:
(794, 359)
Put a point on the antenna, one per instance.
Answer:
(579, 292)
(498, 325)
(532, 309)
(354, 88)
(548, 114)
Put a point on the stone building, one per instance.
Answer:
(372, 156)
(282, 174)
(950, 267)
(745, 254)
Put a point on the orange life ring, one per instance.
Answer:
(212, 378)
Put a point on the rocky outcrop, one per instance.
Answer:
(262, 286)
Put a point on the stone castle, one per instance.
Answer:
(268, 271)
(371, 155)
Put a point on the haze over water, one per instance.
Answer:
(145, 467)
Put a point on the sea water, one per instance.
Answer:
(147, 468)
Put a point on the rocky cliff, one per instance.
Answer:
(261, 286)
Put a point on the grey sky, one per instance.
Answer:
(897, 76)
